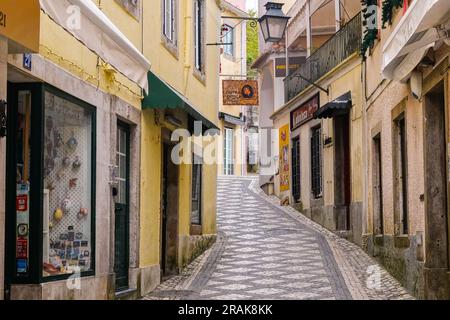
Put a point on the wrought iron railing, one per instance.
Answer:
(332, 53)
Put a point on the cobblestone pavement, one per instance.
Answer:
(265, 251)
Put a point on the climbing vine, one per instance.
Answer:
(370, 35)
(388, 10)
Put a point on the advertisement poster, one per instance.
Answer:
(284, 158)
(22, 227)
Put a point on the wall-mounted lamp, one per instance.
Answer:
(273, 23)
(3, 118)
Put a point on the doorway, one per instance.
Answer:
(121, 208)
(377, 169)
(342, 189)
(436, 210)
(169, 214)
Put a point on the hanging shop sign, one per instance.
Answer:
(284, 157)
(240, 93)
(304, 113)
(294, 64)
(21, 24)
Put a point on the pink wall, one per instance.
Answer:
(238, 3)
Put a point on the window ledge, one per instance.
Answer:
(196, 230)
(229, 57)
(200, 76)
(170, 46)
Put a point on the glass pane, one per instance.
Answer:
(123, 167)
(123, 195)
(123, 142)
(23, 183)
(67, 191)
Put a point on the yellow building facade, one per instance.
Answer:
(233, 66)
(83, 106)
(178, 202)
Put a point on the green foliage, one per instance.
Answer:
(388, 10)
(370, 34)
(252, 44)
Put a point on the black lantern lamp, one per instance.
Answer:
(274, 22)
(3, 105)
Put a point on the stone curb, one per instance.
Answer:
(356, 285)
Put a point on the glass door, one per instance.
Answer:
(122, 220)
(23, 198)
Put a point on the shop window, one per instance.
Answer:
(51, 216)
(296, 169)
(316, 162)
(197, 180)
(67, 241)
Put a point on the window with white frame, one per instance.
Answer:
(228, 165)
(228, 39)
(170, 20)
(199, 26)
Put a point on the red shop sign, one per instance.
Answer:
(304, 113)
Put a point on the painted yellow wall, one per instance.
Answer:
(178, 70)
(176, 67)
(60, 47)
(350, 80)
(130, 26)
(150, 190)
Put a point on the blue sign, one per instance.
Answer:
(22, 266)
(27, 61)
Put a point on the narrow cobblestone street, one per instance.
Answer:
(265, 251)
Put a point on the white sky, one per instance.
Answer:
(252, 4)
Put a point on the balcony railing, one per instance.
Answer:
(332, 53)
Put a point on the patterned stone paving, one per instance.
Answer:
(265, 251)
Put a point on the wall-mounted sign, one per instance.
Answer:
(21, 24)
(27, 61)
(304, 113)
(294, 64)
(240, 93)
(284, 157)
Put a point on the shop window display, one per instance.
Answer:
(67, 240)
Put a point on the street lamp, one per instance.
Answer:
(274, 22)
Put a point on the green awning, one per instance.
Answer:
(163, 96)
